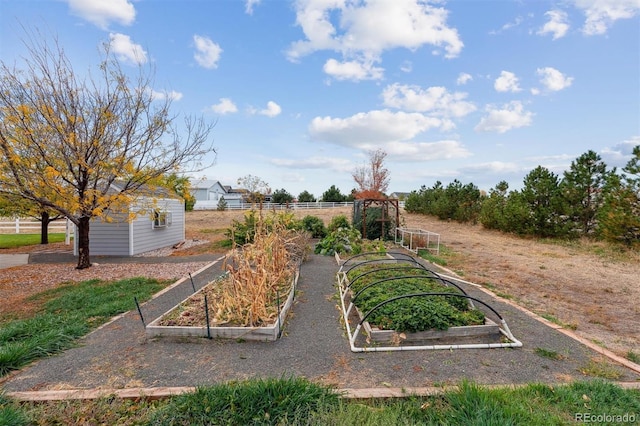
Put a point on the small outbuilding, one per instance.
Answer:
(158, 222)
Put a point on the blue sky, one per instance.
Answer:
(481, 91)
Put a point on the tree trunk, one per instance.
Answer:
(83, 243)
(44, 227)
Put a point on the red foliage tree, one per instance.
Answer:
(372, 178)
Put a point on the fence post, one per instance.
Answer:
(17, 225)
(67, 229)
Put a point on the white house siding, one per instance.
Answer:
(147, 238)
(208, 190)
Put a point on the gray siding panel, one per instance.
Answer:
(109, 238)
(147, 238)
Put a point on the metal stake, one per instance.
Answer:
(206, 314)
(135, 299)
(192, 284)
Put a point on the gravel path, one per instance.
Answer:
(314, 345)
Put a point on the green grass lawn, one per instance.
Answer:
(68, 313)
(297, 401)
(21, 240)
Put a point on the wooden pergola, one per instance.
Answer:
(384, 218)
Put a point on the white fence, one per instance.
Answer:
(213, 205)
(30, 226)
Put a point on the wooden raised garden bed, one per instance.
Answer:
(486, 332)
(191, 311)
(251, 300)
(396, 300)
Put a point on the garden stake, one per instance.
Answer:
(206, 315)
(278, 303)
(135, 299)
(192, 284)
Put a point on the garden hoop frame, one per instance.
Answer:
(353, 334)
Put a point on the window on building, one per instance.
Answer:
(161, 219)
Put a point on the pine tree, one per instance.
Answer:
(583, 189)
(222, 205)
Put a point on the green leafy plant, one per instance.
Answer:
(244, 232)
(410, 314)
(315, 226)
(341, 240)
(339, 221)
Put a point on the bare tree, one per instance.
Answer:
(66, 139)
(372, 178)
(256, 188)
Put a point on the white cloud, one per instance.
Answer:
(436, 100)
(248, 8)
(425, 151)
(507, 82)
(486, 175)
(291, 177)
(463, 78)
(225, 106)
(556, 25)
(352, 70)
(492, 167)
(272, 110)
(366, 130)
(366, 29)
(620, 154)
(551, 159)
(601, 14)
(331, 163)
(501, 120)
(173, 95)
(102, 12)
(406, 66)
(207, 52)
(516, 22)
(553, 80)
(126, 50)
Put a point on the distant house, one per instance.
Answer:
(402, 196)
(159, 222)
(209, 192)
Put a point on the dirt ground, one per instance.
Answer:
(586, 286)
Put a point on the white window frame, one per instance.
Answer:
(161, 219)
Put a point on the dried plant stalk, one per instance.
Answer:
(258, 273)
